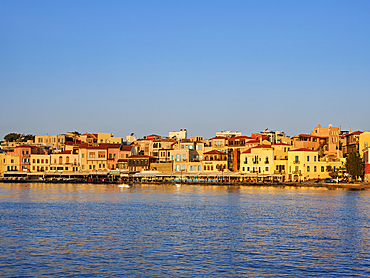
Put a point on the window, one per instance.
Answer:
(38, 160)
(308, 168)
(46, 161)
(183, 156)
(33, 161)
(296, 159)
(314, 168)
(322, 169)
(91, 154)
(314, 158)
(42, 161)
(308, 158)
(83, 155)
(266, 169)
(90, 167)
(101, 154)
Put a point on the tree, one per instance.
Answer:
(12, 137)
(355, 165)
(27, 137)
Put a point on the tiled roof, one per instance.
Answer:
(302, 150)
(218, 137)
(282, 144)
(141, 156)
(126, 148)
(248, 151)
(114, 145)
(263, 147)
(26, 146)
(94, 146)
(356, 132)
(65, 152)
(215, 152)
(241, 137)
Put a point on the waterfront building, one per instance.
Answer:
(305, 164)
(352, 141)
(40, 163)
(93, 156)
(24, 152)
(214, 161)
(137, 163)
(65, 161)
(113, 156)
(9, 164)
(363, 142)
(257, 161)
(366, 158)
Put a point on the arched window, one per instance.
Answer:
(67, 159)
(60, 160)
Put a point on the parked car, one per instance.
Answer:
(329, 180)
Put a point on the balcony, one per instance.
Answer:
(279, 172)
(296, 162)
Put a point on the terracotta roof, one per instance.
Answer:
(241, 137)
(114, 145)
(126, 148)
(263, 147)
(248, 151)
(218, 137)
(252, 141)
(282, 144)
(122, 160)
(302, 150)
(356, 132)
(215, 152)
(141, 156)
(26, 146)
(65, 152)
(94, 146)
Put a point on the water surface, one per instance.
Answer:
(168, 231)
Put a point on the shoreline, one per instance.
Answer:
(330, 186)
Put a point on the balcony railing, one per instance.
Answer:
(296, 162)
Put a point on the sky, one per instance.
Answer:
(147, 67)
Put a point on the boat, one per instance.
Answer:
(124, 185)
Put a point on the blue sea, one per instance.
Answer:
(87, 230)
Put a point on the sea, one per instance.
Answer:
(93, 230)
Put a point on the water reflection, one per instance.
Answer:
(165, 230)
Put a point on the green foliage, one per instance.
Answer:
(28, 137)
(355, 165)
(12, 137)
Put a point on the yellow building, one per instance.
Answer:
(304, 164)
(53, 141)
(108, 138)
(40, 163)
(9, 163)
(64, 162)
(257, 161)
(214, 161)
(364, 142)
(93, 157)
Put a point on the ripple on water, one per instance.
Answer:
(156, 231)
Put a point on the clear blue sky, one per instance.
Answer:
(158, 66)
